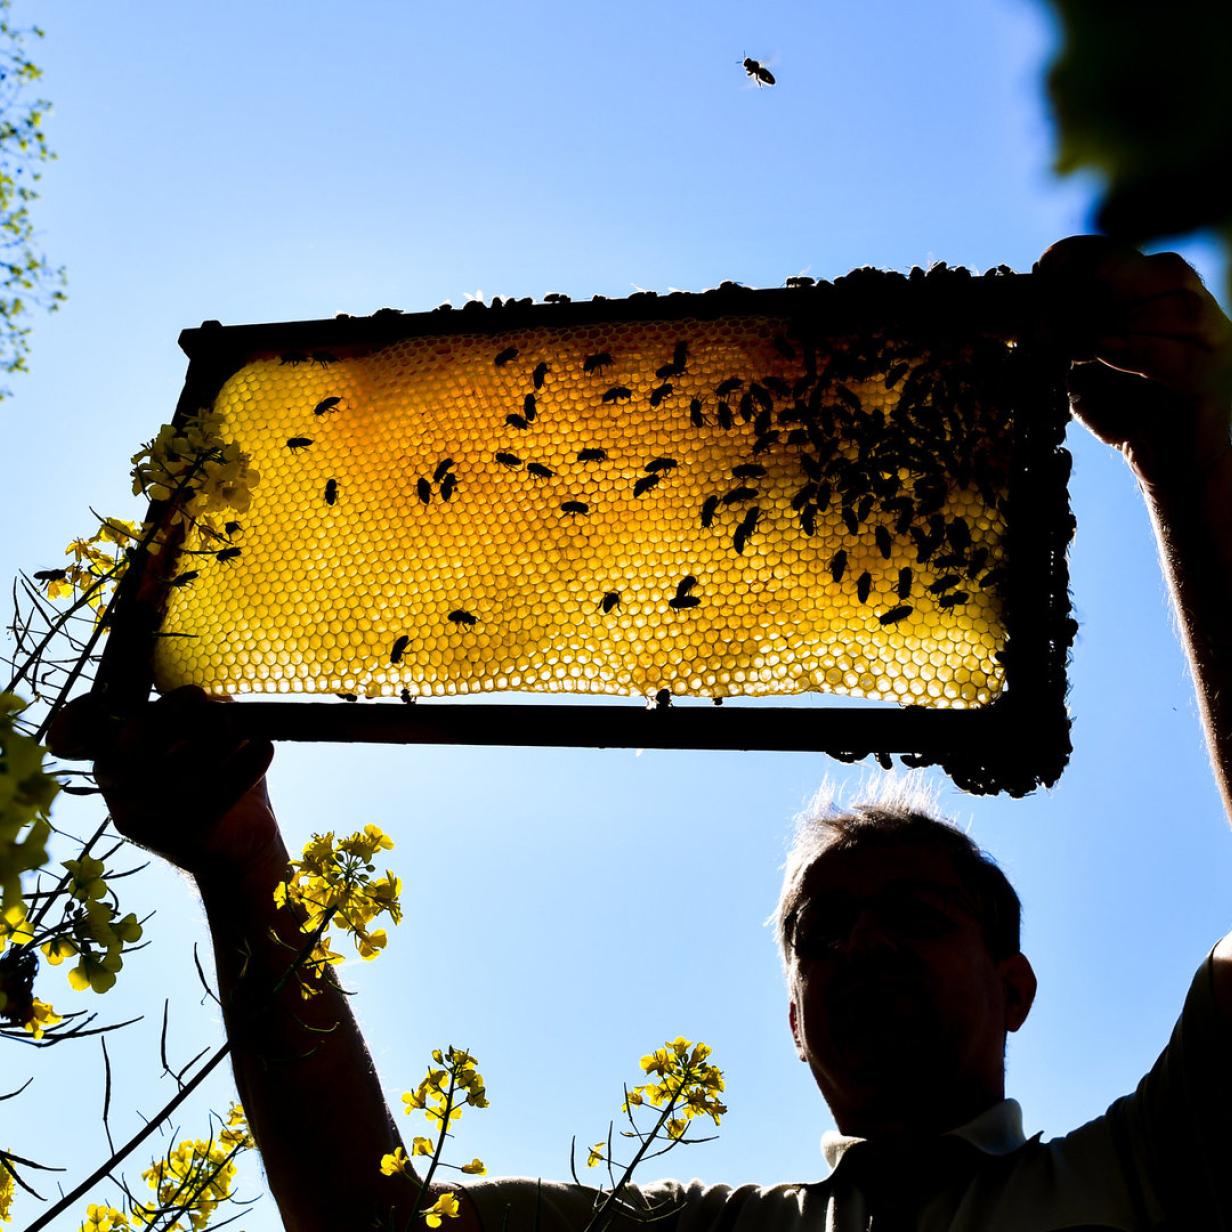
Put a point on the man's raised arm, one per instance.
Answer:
(1153, 377)
(178, 783)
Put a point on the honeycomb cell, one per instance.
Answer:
(839, 513)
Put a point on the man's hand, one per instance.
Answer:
(177, 779)
(1152, 372)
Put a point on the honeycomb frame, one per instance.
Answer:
(913, 421)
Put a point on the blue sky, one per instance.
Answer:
(567, 911)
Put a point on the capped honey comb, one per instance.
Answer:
(752, 499)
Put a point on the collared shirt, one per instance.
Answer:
(1160, 1158)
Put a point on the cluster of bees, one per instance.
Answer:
(892, 446)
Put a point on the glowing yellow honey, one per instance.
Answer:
(509, 585)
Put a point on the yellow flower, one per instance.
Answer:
(103, 1219)
(421, 1146)
(445, 1207)
(676, 1127)
(42, 1016)
(6, 1190)
(396, 1164)
(596, 1155)
(85, 878)
(58, 949)
(475, 1168)
(95, 971)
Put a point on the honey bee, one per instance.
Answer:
(293, 358)
(808, 519)
(766, 440)
(758, 71)
(323, 358)
(597, 362)
(185, 579)
(506, 356)
(296, 443)
(511, 460)
(227, 555)
(680, 356)
(462, 618)
(539, 471)
(592, 455)
(741, 536)
(945, 583)
(895, 614)
(903, 589)
(610, 600)
(741, 493)
(709, 505)
(658, 394)
(724, 416)
(442, 466)
(539, 373)
(864, 584)
(424, 489)
(399, 648)
(51, 575)
(327, 405)
(696, 418)
(618, 393)
(575, 508)
(761, 396)
(528, 408)
(644, 484)
(405, 697)
(748, 470)
(884, 544)
(683, 599)
(447, 486)
(516, 421)
(657, 465)
(953, 599)
(729, 386)
(662, 699)
(838, 565)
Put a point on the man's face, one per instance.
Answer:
(897, 1005)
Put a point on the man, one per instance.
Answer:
(901, 947)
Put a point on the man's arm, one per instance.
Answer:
(1154, 379)
(301, 1066)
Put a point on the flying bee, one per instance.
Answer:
(327, 405)
(741, 493)
(462, 618)
(539, 471)
(293, 358)
(296, 443)
(729, 386)
(696, 418)
(597, 362)
(445, 464)
(657, 465)
(800, 280)
(539, 373)
(51, 575)
(741, 536)
(227, 555)
(424, 489)
(660, 392)
(644, 484)
(511, 460)
(528, 408)
(903, 589)
(447, 486)
(838, 565)
(592, 455)
(864, 585)
(895, 614)
(618, 393)
(884, 543)
(709, 505)
(724, 416)
(508, 354)
(610, 600)
(323, 358)
(953, 599)
(575, 508)
(748, 470)
(398, 648)
(516, 421)
(758, 71)
(185, 579)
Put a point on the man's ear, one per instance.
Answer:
(793, 1020)
(1018, 980)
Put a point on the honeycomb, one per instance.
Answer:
(716, 507)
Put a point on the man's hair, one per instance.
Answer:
(899, 811)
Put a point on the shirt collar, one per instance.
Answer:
(996, 1131)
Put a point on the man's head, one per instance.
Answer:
(900, 939)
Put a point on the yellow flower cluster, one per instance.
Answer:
(6, 1190)
(103, 1218)
(26, 793)
(96, 567)
(334, 882)
(195, 1177)
(688, 1085)
(203, 475)
(445, 1090)
(92, 928)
